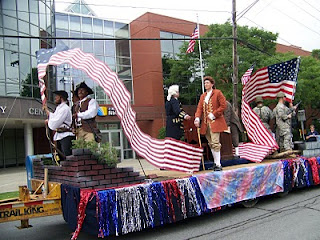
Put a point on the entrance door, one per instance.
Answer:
(114, 138)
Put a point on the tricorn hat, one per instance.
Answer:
(62, 93)
(280, 95)
(259, 99)
(83, 85)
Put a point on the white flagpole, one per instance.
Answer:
(200, 56)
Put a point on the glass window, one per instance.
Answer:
(85, 10)
(109, 48)
(128, 85)
(108, 28)
(165, 35)
(97, 26)
(2, 74)
(42, 14)
(9, 8)
(75, 43)
(10, 22)
(124, 71)
(75, 23)
(121, 30)
(123, 61)
(166, 46)
(122, 47)
(34, 16)
(61, 21)
(98, 47)
(12, 89)
(24, 45)
(87, 24)
(87, 46)
(75, 7)
(23, 10)
(110, 61)
(25, 75)
(10, 43)
(34, 30)
(35, 45)
(176, 46)
(23, 27)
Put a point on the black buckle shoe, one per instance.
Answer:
(217, 168)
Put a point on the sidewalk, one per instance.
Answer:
(13, 177)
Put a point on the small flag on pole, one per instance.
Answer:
(192, 42)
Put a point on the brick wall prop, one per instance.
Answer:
(84, 171)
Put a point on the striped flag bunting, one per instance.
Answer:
(192, 42)
(165, 153)
(266, 82)
(246, 76)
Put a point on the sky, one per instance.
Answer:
(296, 21)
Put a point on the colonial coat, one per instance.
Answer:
(175, 116)
(216, 105)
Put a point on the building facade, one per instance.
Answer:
(21, 116)
(138, 64)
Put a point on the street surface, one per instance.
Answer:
(295, 216)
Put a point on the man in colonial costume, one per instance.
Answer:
(175, 114)
(85, 112)
(211, 107)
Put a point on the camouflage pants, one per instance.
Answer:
(285, 140)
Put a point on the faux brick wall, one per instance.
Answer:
(84, 171)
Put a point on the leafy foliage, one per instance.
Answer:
(254, 46)
(104, 152)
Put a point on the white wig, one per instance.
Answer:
(174, 89)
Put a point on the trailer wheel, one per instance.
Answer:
(250, 203)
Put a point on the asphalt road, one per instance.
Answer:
(295, 216)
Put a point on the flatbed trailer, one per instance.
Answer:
(37, 204)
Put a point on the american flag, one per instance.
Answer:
(246, 76)
(266, 82)
(192, 42)
(43, 56)
(165, 153)
(269, 81)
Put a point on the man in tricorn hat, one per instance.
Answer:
(60, 121)
(85, 112)
(263, 112)
(283, 116)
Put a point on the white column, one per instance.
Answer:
(28, 139)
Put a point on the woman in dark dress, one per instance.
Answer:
(175, 114)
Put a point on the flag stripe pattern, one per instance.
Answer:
(192, 42)
(166, 153)
(266, 82)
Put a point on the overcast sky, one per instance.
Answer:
(296, 21)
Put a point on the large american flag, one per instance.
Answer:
(165, 153)
(266, 82)
(192, 42)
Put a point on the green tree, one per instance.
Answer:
(254, 46)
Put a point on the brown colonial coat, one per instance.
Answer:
(217, 104)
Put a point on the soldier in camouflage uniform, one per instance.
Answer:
(283, 116)
(264, 113)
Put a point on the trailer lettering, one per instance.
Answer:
(9, 213)
(32, 210)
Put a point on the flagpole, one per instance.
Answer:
(200, 56)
